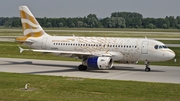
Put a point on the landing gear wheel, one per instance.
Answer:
(82, 68)
(147, 69)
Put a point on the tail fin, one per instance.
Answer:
(31, 28)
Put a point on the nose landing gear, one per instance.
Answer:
(147, 69)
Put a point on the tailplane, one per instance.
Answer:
(31, 28)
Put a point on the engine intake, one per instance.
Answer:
(98, 62)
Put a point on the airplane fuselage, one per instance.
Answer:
(121, 49)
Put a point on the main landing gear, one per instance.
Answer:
(82, 67)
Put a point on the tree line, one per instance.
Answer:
(116, 20)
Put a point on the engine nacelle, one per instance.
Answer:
(98, 62)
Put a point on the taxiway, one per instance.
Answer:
(130, 72)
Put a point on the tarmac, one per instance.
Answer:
(128, 72)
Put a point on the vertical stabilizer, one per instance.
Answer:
(31, 28)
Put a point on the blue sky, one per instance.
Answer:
(81, 8)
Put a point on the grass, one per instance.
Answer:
(170, 41)
(106, 32)
(11, 50)
(52, 88)
(101, 29)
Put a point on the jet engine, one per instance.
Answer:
(98, 62)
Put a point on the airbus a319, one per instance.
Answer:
(95, 52)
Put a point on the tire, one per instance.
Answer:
(82, 68)
(147, 69)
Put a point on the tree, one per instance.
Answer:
(165, 26)
(151, 26)
(72, 25)
(48, 25)
(85, 25)
(92, 20)
(132, 19)
(79, 24)
(61, 24)
(178, 26)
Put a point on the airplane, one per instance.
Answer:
(95, 52)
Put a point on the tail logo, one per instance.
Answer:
(31, 27)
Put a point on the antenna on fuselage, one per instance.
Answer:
(145, 37)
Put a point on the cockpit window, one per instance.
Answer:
(165, 47)
(156, 46)
(160, 47)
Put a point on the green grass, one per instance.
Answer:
(170, 41)
(52, 88)
(102, 29)
(11, 50)
(112, 32)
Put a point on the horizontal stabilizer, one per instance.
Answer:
(21, 49)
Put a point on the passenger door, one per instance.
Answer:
(144, 48)
(43, 46)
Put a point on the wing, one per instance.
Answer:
(71, 53)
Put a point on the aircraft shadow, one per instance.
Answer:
(122, 68)
(74, 68)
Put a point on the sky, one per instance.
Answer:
(81, 8)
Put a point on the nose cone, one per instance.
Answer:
(171, 54)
